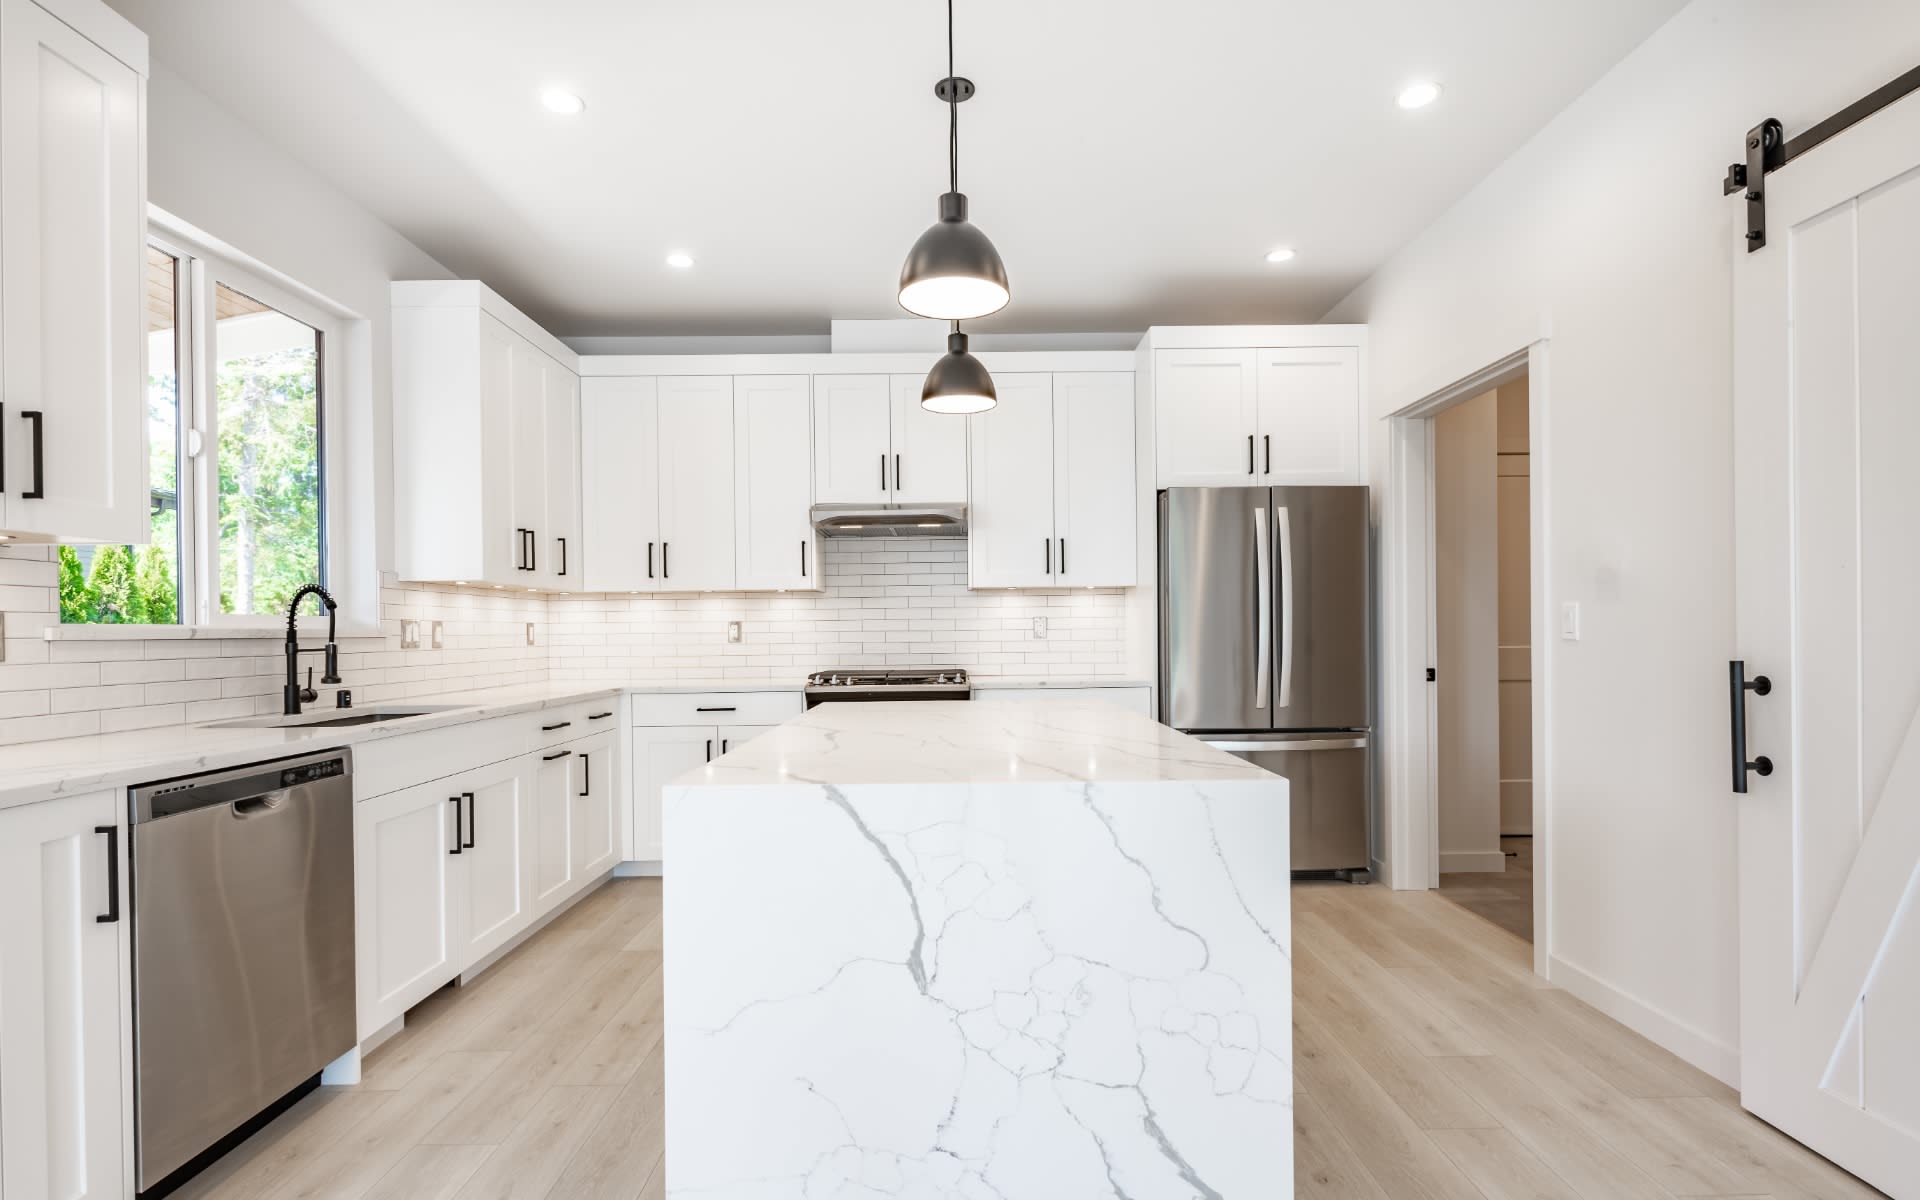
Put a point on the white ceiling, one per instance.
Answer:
(1133, 160)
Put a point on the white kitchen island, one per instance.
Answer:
(995, 952)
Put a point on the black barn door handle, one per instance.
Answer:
(1738, 685)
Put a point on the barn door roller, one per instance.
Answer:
(1767, 149)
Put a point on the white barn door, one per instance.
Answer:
(1827, 545)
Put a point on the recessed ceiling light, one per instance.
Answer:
(1418, 95)
(560, 100)
(1280, 255)
(680, 260)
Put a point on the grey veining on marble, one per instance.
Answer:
(962, 742)
(967, 987)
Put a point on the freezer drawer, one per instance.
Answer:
(1327, 787)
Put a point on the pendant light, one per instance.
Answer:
(953, 273)
(958, 382)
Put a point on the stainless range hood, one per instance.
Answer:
(890, 520)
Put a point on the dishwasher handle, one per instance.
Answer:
(258, 806)
(112, 915)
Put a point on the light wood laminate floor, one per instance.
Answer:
(1431, 1063)
(1505, 897)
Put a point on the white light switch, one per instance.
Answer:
(439, 635)
(530, 640)
(1570, 621)
(733, 632)
(409, 635)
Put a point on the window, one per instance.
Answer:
(236, 369)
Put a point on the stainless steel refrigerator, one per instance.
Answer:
(1265, 648)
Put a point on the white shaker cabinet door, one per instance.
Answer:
(929, 449)
(620, 468)
(72, 225)
(660, 754)
(61, 987)
(773, 483)
(1094, 480)
(852, 443)
(550, 830)
(409, 925)
(1205, 416)
(1010, 512)
(1310, 415)
(562, 562)
(596, 818)
(527, 447)
(492, 867)
(696, 483)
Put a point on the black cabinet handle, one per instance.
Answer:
(723, 741)
(473, 819)
(522, 564)
(666, 572)
(598, 716)
(1048, 544)
(459, 824)
(551, 757)
(710, 740)
(551, 728)
(883, 472)
(563, 556)
(1267, 439)
(586, 773)
(1738, 685)
(533, 550)
(38, 491)
(715, 708)
(1063, 556)
(113, 874)
(1249, 454)
(803, 558)
(649, 560)
(897, 485)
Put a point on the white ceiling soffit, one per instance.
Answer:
(1134, 161)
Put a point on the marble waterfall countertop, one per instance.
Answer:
(1006, 952)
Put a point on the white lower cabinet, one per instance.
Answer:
(659, 754)
(491, 876)
(62, 1080)
(550, 830)
(675, 732)
(596, 818)
(408, 902)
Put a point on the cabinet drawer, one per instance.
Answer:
(551, 726)
(389, 764)
(716, 708)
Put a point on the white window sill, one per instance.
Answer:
(310, 629)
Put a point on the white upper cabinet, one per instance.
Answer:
(1094, 480)
(774, 544)
(1310, 415)
(852, 445)
(874, 444)
(696, 484)
(486, 434)
(73, 419)
(929, 449)
(1054, 489)
(619, 462)
(1272, 415)
(1205, 411)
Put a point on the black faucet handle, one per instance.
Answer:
(307, 694)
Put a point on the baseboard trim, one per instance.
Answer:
(1716, 1058)
(638, 870)
(1484, 861)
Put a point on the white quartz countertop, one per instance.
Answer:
(34, 771)
(958, 742)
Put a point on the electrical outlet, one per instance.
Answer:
(733, 632)
(530, 640)
(409, 635)
(1040, 628)
(439, 635)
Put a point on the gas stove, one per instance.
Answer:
(857, 684)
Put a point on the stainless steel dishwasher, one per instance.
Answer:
(243, 983)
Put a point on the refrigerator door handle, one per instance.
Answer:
(1276, 747)
(1283, 533)
(1263, 584)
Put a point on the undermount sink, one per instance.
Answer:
(365, 716)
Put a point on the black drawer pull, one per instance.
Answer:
(473, 819)
(586, 774)
(459, 824)
(649, 560)
(1738, 685)
(716, 708)
(883, 458)
(113, 874)
(563, 556)
(551, 757)
(598, 716)
(551, 728)
(39, 490)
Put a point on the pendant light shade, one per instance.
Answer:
(953, 273)
(958, 382)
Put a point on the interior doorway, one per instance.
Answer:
(1482, 654)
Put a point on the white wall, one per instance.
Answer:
(1606, 235)
(1466, 604)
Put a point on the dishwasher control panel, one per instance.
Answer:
(312, 772)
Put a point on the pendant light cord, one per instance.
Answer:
(953, 111)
